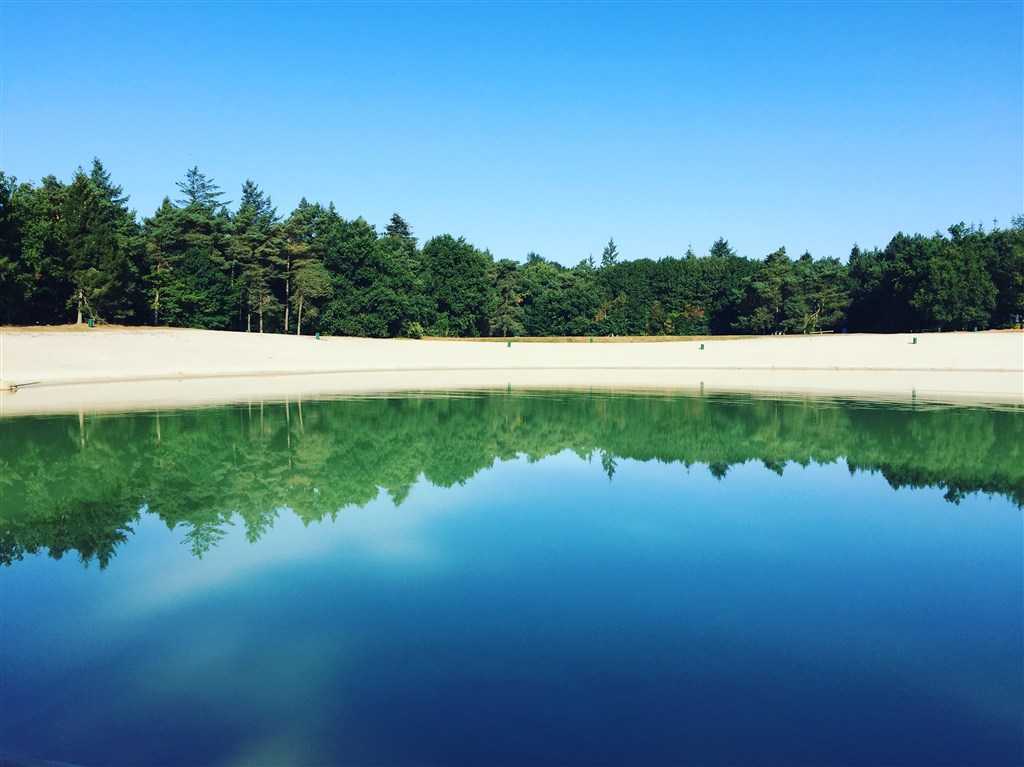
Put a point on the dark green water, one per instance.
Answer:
(514, 579)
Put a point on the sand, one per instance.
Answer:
(109, 369)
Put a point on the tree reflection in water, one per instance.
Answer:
(68, 484)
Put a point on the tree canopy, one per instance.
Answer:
(71, 251)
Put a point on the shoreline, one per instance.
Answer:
(110, 370)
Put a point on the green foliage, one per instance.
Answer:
(506, 310)
(12, 267)
(458, 285)
(570, 307)
(377, 281)
(312, 285)
(398, 227)
(802, 296)
(256, 254)
(98, 234)
(1005, 265)
(721, 249)
(610, 254)
(68, 251)
(197, 189)
(969, 279)
(77, 249)
(413, 330)
(956, 290)
(194, 262)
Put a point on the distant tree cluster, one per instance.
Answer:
(76, 251)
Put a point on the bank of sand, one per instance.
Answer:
(70, 370)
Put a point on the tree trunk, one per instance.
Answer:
(156, 300)
(298, 324)
(261, 315)
(288, 429)
(287, 289)
(248, 322)
(79, 320)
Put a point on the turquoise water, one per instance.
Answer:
(514, 579)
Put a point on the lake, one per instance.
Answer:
(515, 578)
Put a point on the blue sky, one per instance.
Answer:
(541, 127)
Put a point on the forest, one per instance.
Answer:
(75, 251)
(83, 484)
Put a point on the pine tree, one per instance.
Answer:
(42, 261)
(506, 313)
(767, 295)
(256, 206)
(113, 193)
(610, 254)
(159, 235)
(198, 190)
(94, 227)
(193, 272)
(257, 244)
(12, 292)
(721, 249)
(398, 227)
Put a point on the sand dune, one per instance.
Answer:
(113, 369)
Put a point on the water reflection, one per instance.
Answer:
(71, 484)
(545, 579)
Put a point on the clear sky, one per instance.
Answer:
(541, 126)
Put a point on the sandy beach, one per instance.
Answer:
(108, 369)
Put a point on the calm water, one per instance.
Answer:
(513, 580)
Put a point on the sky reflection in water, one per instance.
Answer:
(566, 579)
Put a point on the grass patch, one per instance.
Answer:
(588, 339)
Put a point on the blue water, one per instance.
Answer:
(542, 610)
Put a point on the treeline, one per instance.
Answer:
(76, 251)
(81, 485)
